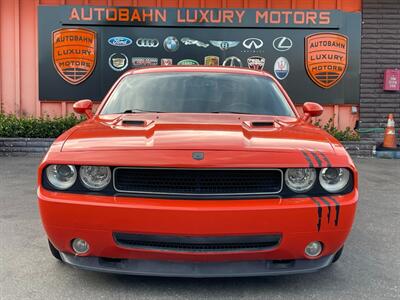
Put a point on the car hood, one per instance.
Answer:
(231, 132)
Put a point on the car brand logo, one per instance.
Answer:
(198, 155)
(253, 43)
(166, 62)
(188, 41)
(282, 43)
(118, 61)
(281, 68)
(326, 58)
(232, 61)
(211, 60)
(120, 41)
(144, 61)
(171, 44)
(256, 63)
(147, 43)
(224, 45)
(74, 53)
(188, 62)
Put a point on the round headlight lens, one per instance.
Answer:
(300, 180)
(95, 178)
(62, 177)
(334, 180)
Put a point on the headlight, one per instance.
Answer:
(95, 178)
(300, 180)
(334, 180)
(62, 177)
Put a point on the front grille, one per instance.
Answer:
(196, 244)
(217, 182)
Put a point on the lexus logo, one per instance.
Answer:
(282, 43)
(232, 61)
(147, 43)
(253, 43)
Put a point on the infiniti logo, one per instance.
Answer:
(147, 43)
(282, 43)
(251, 43)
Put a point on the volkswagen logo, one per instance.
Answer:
(282, 43)
(253, 43)
(232, 61)
(147, 43)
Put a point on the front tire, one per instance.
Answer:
(337, 255)
(54, 251)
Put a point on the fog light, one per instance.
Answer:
(313, 249)
(80, 246)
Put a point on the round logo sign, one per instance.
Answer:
(281, 68)
(118, 61)
(188, 62)
(171, 44)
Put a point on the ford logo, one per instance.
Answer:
(119, 41)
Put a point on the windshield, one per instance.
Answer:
(197, 92)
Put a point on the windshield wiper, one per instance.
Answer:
(137, 110)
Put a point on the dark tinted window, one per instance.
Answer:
(198, 92)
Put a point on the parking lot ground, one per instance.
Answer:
(368, 269)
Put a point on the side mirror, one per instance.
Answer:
(84, 107)
(311, 109)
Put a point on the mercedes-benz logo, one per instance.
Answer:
(282, 43)
(232, 61)
(251, 43)
(148, 43)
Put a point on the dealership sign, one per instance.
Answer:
(315, 54)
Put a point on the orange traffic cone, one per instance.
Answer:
(389, 139)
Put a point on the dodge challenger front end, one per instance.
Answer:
(198, 172)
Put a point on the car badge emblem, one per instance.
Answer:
(166, 62)
(232, 61)
(256, 63)
(118, 61)
(282, 43)
(74, 53)
(198, 155)
(147, 43)
(211, 61)
(253, 43)
(120, 41)
(188, 62)
(188, 41)
(171, 44)
(224, 45)
(326, 58)
(144, 61)
(281, 68)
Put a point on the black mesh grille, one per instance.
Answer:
(198, 181)
(197, 244)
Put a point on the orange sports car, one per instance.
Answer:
(197, 172)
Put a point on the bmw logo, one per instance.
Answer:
(171, 44)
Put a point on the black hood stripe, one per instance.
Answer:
(329, 208)
(310, 163)
(319, 162)
(337, 208)
(319, 213)
(325, 158)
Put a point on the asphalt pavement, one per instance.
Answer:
(368, 269)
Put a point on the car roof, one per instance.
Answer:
(207, 69)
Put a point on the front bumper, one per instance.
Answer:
(96, 218)
(197, 269)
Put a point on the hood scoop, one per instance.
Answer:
(262, 124)
(141, 123)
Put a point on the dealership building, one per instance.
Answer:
(343, 54)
